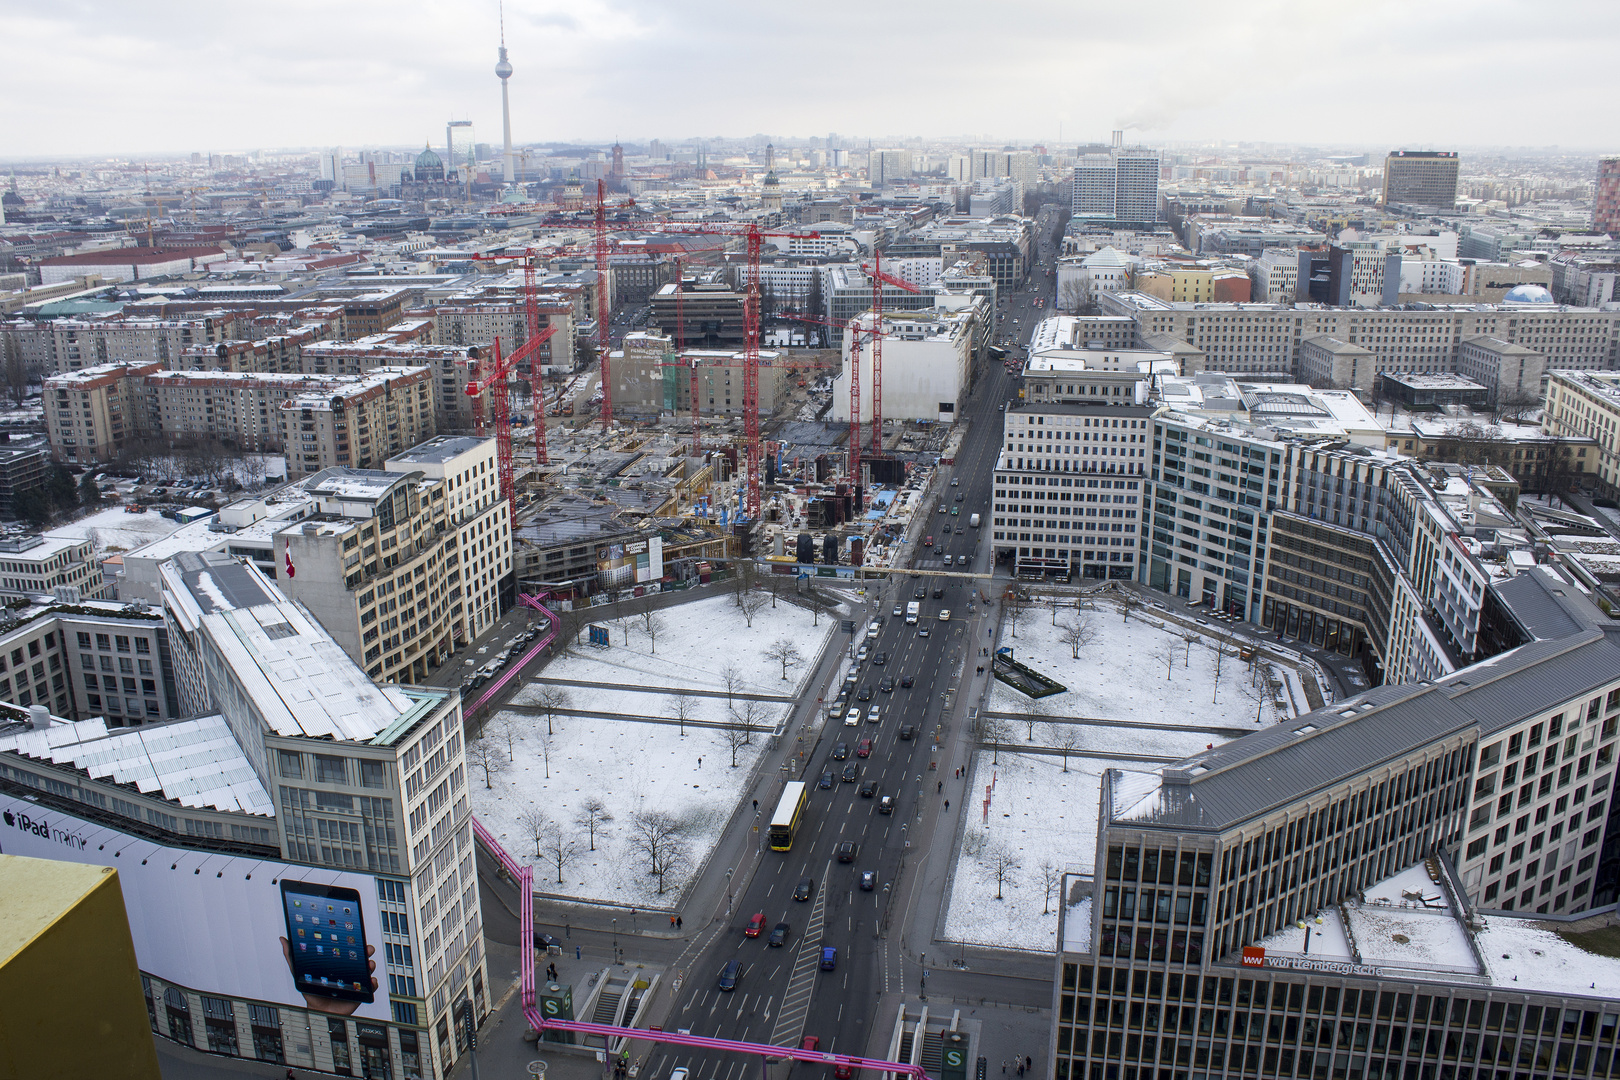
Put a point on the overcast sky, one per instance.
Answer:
(82, 77)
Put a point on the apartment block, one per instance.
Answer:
(90, 659)
(481, 323)
(94, 414)
(35, 565)
(405, 564)
(1510, 373)
(1421, 178)
(382, 413)
(20, 470)
(77, 344)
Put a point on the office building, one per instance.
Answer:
(1606, 198)
(292, 771)
(1404, 831)
(20, 470)
(480, 323)
(405, 564)
(1587, 403)
(1426, 179)
(927, 359)
(650, 377)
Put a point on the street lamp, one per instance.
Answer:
(615, 940)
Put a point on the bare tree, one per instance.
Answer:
(660, 838)
(1051, 878)
(505, 726)
(485, 755)
(1128, 602)
(999, 863)
(534, 822)
(994, 731)
(1256, 688)
(1077, 633)
(786, 653)
(1066, 739)
(749, 715)
(1223, 648)
(1166, 651)
(1013, 607)
(251, 466)
(973, 841)
(553, 700)
(731, 675)
(752, 603)
(593, 817)
(653, 624)
(1188, 638)
(548, 743)
(559, 848)
(745, 575)
(1037, 709)
(681, 708)
(733, 738)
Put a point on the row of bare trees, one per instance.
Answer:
(1000, 863)
(660, 841)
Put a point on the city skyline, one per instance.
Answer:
(1398, 76)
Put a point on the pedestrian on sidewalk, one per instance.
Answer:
(939, 787)
(947, 804)
(700, 763)
(672, 920)
(1003, 1068)
(1029, 1063)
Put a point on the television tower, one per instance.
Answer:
(503, 69)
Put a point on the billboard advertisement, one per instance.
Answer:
(223, 924)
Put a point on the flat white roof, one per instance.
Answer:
(195, 762)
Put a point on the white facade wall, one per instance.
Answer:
(923, 379)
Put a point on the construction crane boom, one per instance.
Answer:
(879, 279)
(494, 380)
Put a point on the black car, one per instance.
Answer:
(865, 694)
(869, 788)
(868, 880)
(778, 936)
(729, 974)
(826, 780)
(886, 684)
(958, 496)
(805, 889)
(939, 591)
(851, 772)
(908, 681)
(920, 594)
(879, 659)
(908, 731)
(840, 751)
(847, 851)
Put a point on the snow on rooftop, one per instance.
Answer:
(197, 762)
(1525, 956)
(1136, 794)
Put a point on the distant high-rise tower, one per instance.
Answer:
(1606, 205)
(618, 161)
(1426, 178)
(771, 188)
(503, 70)
(1116, 183)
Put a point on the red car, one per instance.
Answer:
(863, 748)
(755, 926)
(928, 541)
(810, 1042)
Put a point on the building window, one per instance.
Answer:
(330, 769)
(291, 764)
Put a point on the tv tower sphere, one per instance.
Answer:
(504, 68)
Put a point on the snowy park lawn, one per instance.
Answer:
(634, 765)
(1040, 814)
(1120, 675)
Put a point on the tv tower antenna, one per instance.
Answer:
(503, 70)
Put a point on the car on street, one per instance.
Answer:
(829, 958)
(886, 804)
(852, 718)
(899, 610)
(778, 937)
(840, 751)
(886, 684)
(939, 591)
(862, 654)
(920, 594)
(729, 975)
(868, 880)
(908, 681)
(865, 694)
(755, 926)
(908, 731)
(869, 788)
(873, 628)
(810, 1042)
(879, 659)
(846, 851)
(955, 510)
(805, 889)
(852, 772)
(958, 496)
(956, 482)
(826, 780)
(928, 541)
(944, 614)
(922, 631)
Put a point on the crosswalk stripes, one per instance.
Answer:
(802, 983)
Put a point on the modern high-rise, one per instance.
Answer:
(1116, 183)
(1426, 178)
(1606, 199)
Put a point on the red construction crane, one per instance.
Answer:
(879, 279)
(855, 332)
(492, 377)
(755, 237)
(531, 314)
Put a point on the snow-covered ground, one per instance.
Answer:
(117, 528)
(1121, 675)
(1041, 815)
(636, 765)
